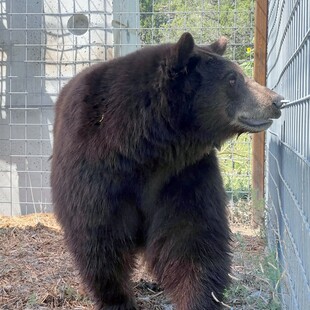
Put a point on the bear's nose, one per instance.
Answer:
(278, 101)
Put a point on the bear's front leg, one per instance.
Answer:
(102, 236)
(105, 264)
(188, 241)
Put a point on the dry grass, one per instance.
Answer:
(36, 271)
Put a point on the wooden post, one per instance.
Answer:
(258, 146)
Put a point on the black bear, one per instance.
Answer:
(134, 169)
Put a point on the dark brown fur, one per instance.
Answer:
(134, 167)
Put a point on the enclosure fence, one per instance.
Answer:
(288, 149)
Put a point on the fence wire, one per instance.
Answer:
(288, 149)
(43, 43)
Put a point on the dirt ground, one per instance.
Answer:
(36, 271)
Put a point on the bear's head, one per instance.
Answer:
(220, 100)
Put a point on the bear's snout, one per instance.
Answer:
(260, 106)
(278, 101)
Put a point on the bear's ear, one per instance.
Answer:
(183, 48)
(219, 46)
(180, 53)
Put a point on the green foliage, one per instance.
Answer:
(163, 21)
(151, 20)
(256, 280)
(32, 300)
(235, 164)
(272, 270)
(248, 65)
(69, 293)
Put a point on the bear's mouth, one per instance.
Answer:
(255, 124)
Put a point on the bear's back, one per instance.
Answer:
(103, 107)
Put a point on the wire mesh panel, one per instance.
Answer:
(288, 148)
(43, 43)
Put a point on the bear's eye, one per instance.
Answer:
(232, 78)
(232, 82)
